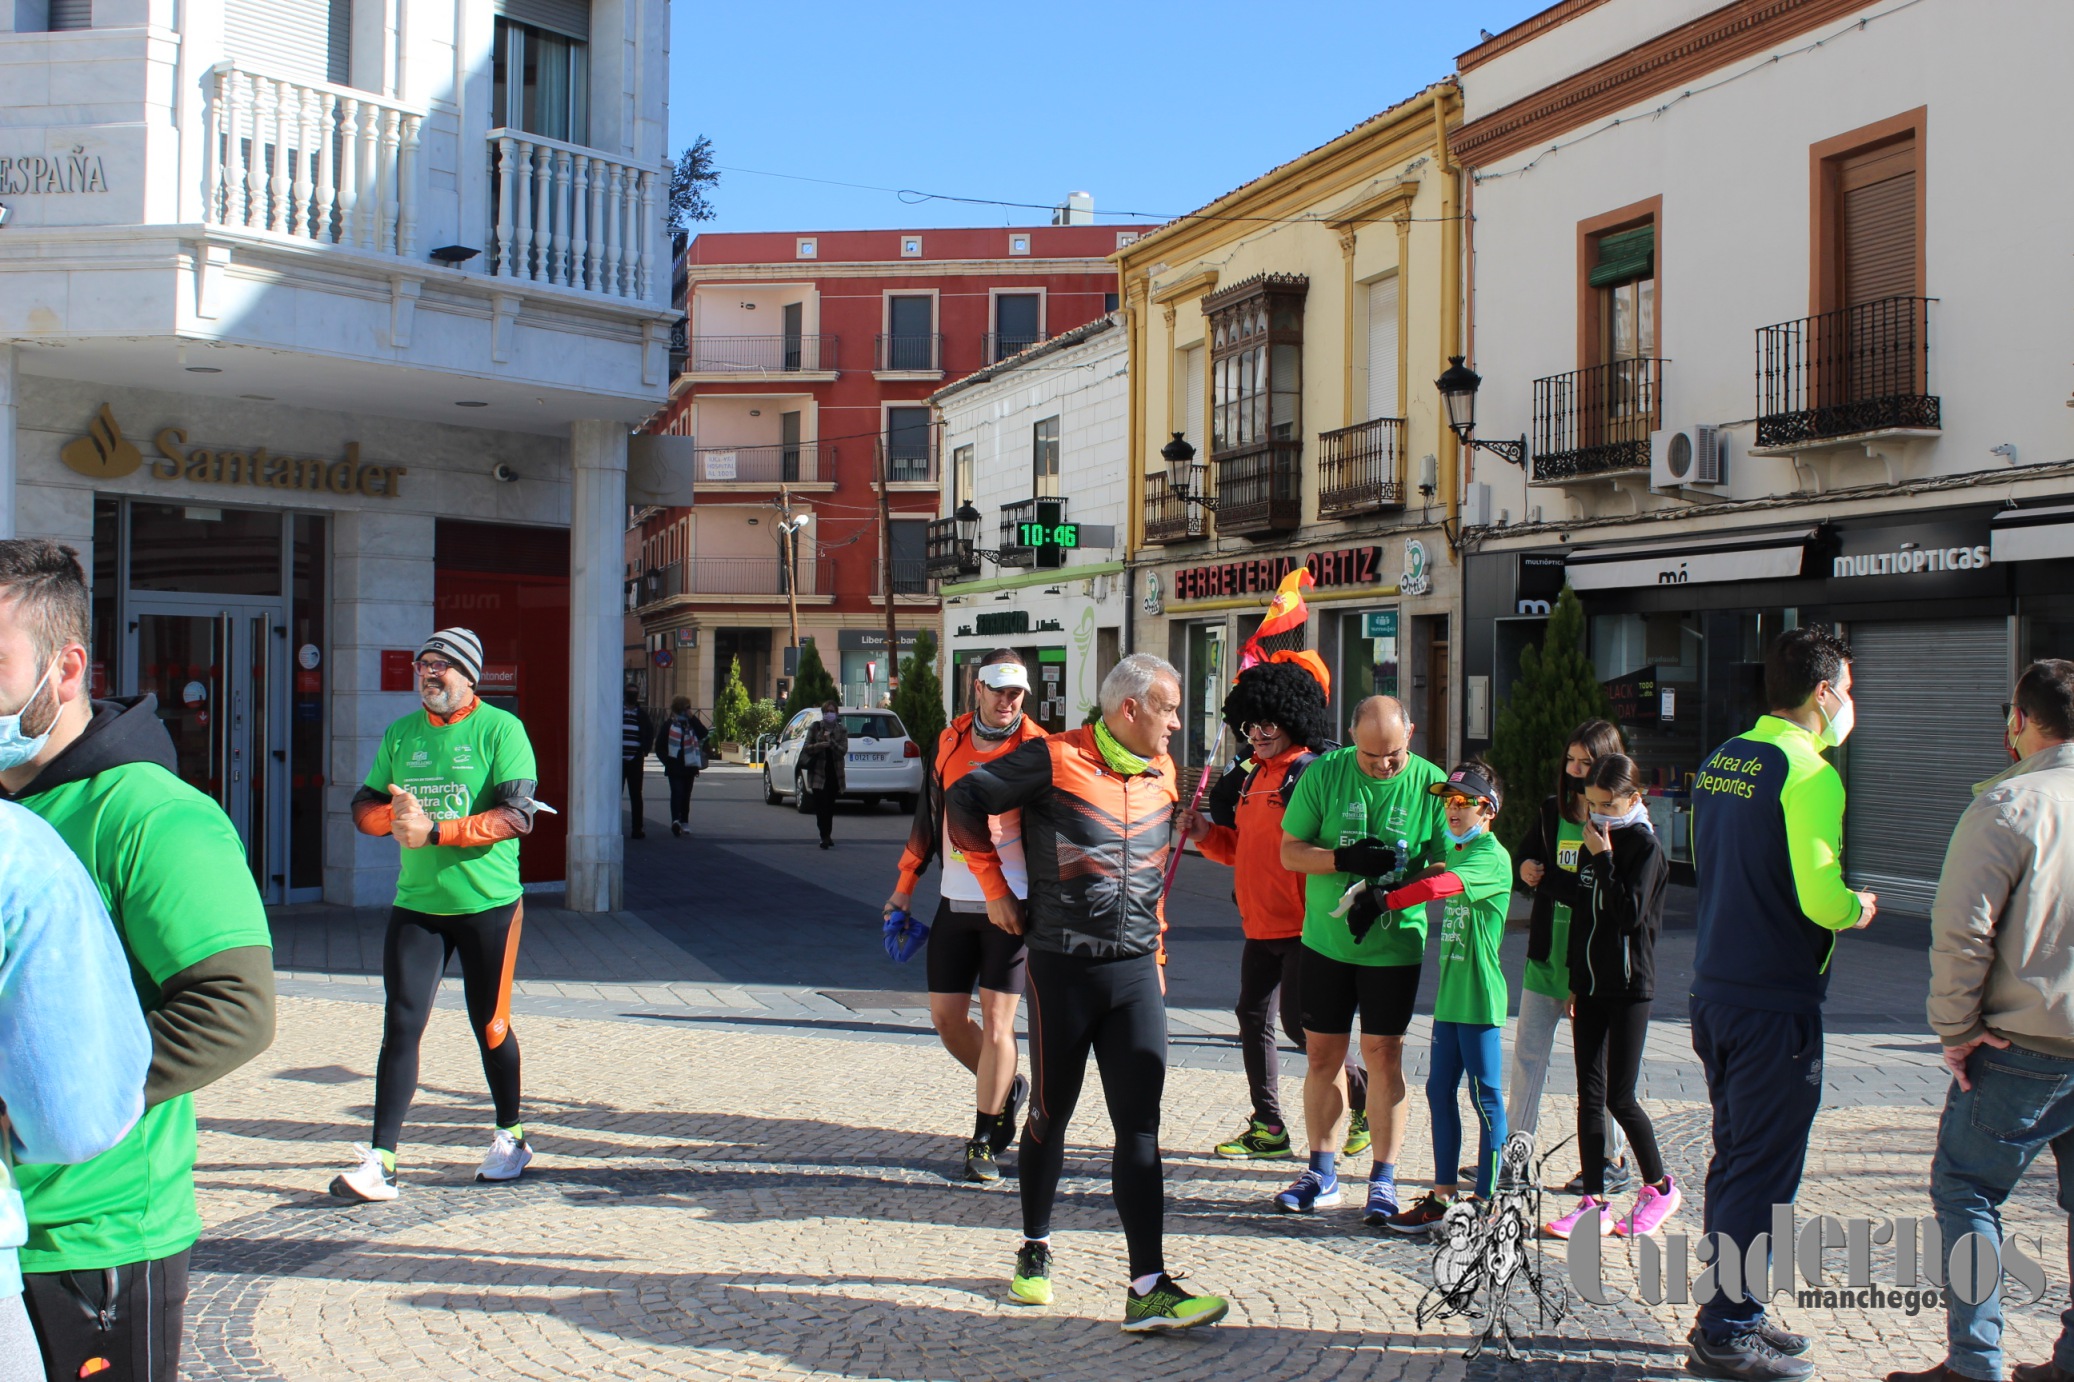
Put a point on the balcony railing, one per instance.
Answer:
(1260, 489)
(910, 576)
(761, 354)
(1361, 468)
(917, 354)
(1859, 369)
(907, 460)
(950, 557)
(1168, 517)
(995, 347)
(786, 463)
(317, 162)
(697, 577)
(1596, 421)
(572, 218)
(1013, 516)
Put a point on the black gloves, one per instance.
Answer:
(1369, 858)
(1366, 911)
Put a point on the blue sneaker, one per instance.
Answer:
(1382, 1203)
(1309, 1193)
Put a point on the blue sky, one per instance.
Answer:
(1158, 105)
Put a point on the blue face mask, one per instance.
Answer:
(17, 748)
(1465, 837)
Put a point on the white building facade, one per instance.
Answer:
(323, 325)
(1775, 301)
(1040, 438)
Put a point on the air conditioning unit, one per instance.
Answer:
(1682, 457)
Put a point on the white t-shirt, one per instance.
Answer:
(959, 885)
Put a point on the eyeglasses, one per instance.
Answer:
(1260, 729)
(433, 667)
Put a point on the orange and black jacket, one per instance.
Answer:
(958, 752)
(1096, 843)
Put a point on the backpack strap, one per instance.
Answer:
(1288, 788)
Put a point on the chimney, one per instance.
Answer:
(1077, 210)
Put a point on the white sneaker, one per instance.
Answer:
(507, 1157)
(369, 1181)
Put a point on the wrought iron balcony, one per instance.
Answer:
(912, 354)
(950, 556)
(1013, 516)
(1260, 489)
(761, 354)
(734, 577)
(1361, 468)
(996, 347)
(1596, 421)
(910, 577)
(1859, 369)
(1169, 517)
(907, 459)
(783, 463)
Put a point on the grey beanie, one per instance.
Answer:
(459, 645)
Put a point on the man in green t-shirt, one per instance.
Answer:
(1358, 814)
(453, 784)
(109, 1237)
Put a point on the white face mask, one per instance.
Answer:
(1837, 728)
(1638, 814)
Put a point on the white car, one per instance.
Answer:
(883, 761)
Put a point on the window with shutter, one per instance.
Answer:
(1870, 333)
(1876, 224)
(302, 40)
(1382, 349)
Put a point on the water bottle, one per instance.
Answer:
(1396, 875)
(1353, 822)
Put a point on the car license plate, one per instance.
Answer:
(867, 758)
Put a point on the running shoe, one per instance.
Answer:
(1011, 1115)
(677, 828)
(1382, 1203)
(1167, 1306)
(1619, 1176)
(507, 1157)
(1793, 1345)
(1575, 1219)
(1260, 1141)
(1426, 1211)
(1031, 1283)
(1747, 1357)
(1310, 1192)
(370, 1180)
(1357, 1134)
(1652, 1207)
(979, 1161)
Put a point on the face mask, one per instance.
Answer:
(1636, 814)
(1837, 728)
(1466, 836)
(17, 748)
(828, 717)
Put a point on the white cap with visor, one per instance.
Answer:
(1002, 676)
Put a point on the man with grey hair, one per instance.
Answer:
(1097, 809)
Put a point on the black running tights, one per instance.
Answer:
(1608, 1035)
(1266, 969)
(414, 957)
(1113, 1008)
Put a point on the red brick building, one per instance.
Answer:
(804, 377)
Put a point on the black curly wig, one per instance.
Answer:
(1284, 694)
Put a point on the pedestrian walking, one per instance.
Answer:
(1359, 814)
(1097, 809)
(966, 948)
(823, 767)
(453, 784)
(1474, 877)
(1611, 961)
(1768, 820)
(2001, 976)
(1278, 710)
(1548, 858)
(117, 1229)
(74, 1051)
(636, 736)
(681, 745)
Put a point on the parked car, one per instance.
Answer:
(883, 761)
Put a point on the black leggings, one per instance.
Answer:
(1268, 968)
(631, 774)
(681, 784)
(414, 956)
(1115, 1009)
(146, 1319)
(823, 799)
(1608, 1034)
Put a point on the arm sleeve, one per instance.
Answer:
(1814, 807)
(1986, 859)
(212, 1018)
(1009, 783)
(923, 830)
(1221, 845)
(372, 812)
(510, 815)
(1446, 883)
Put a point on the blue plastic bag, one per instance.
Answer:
(905, 935)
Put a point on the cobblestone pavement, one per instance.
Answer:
(745, 1131)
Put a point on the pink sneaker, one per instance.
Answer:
(1652, 1207)
(1565, 1226)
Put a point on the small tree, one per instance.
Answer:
(919, 701)
(692, 177)
(1558, 690)
(761, 718)
(813, 686)
(731, 706)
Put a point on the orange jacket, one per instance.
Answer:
(1270, 896)
(958, 752)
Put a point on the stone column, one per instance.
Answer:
(10, 420)
(597, 562)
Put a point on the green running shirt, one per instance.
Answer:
(1472, 923)
(450, 770)
(1399, 808)
(1552, 975)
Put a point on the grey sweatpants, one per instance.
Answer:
(20, 1358)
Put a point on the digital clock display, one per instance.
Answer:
(1049, 535)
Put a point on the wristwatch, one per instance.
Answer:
(433, 839)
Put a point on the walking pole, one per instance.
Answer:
(1174, 859)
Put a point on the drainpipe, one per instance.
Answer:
(1452, 306)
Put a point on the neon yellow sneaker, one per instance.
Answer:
(1167, 1306)
(1259, 1141)
(1031, 1283)
(1357, 1134)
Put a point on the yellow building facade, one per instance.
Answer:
(1290, 333)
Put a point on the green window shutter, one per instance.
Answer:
(1624, 255)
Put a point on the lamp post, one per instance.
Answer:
(967, 519)
(1458, 391)
(789, 525)
(1180, 459)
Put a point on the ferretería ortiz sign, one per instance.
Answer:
(1353, 566)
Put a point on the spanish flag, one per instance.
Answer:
(1284, 612)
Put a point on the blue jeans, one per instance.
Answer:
(2020, 1103)
(1460, 1047)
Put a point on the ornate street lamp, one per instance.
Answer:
(1180, 459)
(1458, 391)
(967, 519)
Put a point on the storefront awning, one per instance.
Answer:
(2032, 534)
(1743, 557)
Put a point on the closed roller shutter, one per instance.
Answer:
(1929, 726)
(571, 18)
(302, 40)
(1382, 349)
(1878, 224)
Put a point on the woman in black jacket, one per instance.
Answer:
(681, 744)
(1613, 929)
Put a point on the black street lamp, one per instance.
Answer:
(1458, 391)
(967, 519)
(1180, 459)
